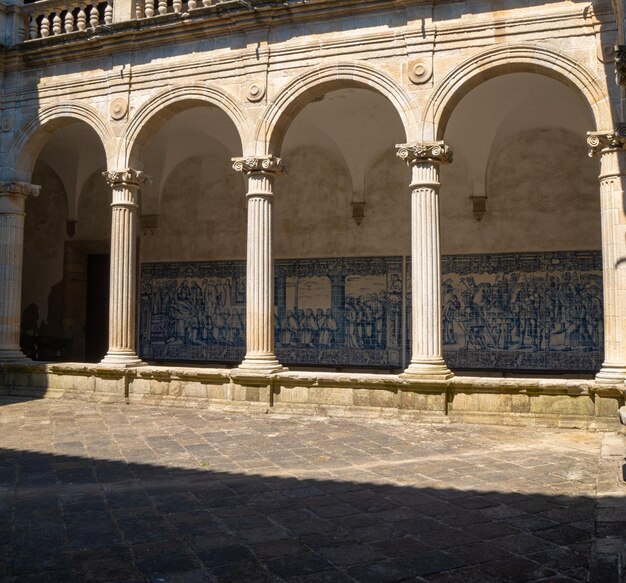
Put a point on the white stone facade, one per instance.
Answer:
(178, 93)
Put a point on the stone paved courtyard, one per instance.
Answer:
(96, 492)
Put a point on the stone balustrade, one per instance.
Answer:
(58, 17)
(48, 18)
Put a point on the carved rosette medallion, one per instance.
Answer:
(23, 188)
(255, 92)
(419, 71)
(614, 139)
(428, 151)
(118, 108)
(251, 164)
(620, 64)
(128, 178)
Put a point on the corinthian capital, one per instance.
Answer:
(257, 164)
(127, 177)
(614, 139)
(426, 151)
(23, 188)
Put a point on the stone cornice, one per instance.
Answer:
(128, 178)
(422, 152)
(614, 139)
(11, 188)
(267, 164)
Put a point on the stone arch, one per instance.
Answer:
(512, 59)
(317, 81)
(162, 107)
(38, 130)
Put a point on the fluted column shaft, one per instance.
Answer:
(426, 336)
(125, 185)
(610, 147)
(260, 355)
(12, 204)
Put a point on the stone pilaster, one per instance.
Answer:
(426, 337)
(260, 355)
(12, 204)
(609, 145)
(125, 185)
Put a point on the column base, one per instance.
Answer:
(267, 363)
(435, 370)
(13, 355)
(614, 374)
(122, 359)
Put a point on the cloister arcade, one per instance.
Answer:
(346, 217)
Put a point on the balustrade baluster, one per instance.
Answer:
(45, 27)
(56, 24)
(108, 14)
(149, 10)
(178, 5)
(162, 6)
(94, 17)
(138, 10)
(191, 4)
(68, 23)
(32, 27)
(81, 19)
(206, 3)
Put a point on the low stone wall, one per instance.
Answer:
(521, 401)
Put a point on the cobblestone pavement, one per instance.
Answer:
(95, 492)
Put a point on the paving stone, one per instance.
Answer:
(184, 495)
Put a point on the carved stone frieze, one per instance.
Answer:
(23, 188)
(421, 152)
(127, 177)
(613, 139)
(257, 164)
(620, 64)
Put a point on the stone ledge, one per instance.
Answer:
(521, 401)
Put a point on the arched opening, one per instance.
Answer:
(193, 236)
(520, 228)
(66, 245)
(341, 230)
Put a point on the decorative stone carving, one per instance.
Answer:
(427, 151)
(127, 177)
(620, 64)
(255, 92)
(257, 164)
(420, 71)
(23, 188)
(614, 139)
(118, 108)
(7, 123)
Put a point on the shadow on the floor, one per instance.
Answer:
(70, 518)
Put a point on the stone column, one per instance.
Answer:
(125, 185)
(426, 342)
(12, 204)
(260, 355)
(609, 145)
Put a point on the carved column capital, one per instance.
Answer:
(251, 164)
(129, 178)
(620, 64)
(614, 139)
(424, 152)
(12, 187)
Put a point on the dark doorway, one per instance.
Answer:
(97, 316)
